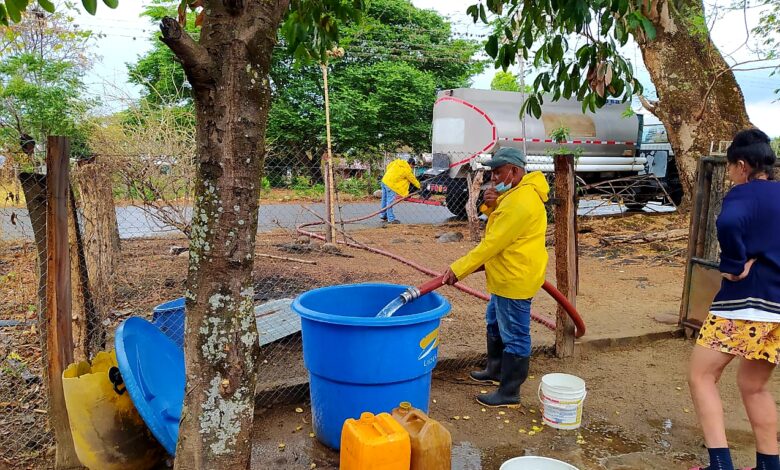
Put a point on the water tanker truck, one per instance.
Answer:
(469, 125)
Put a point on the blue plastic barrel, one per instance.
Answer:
(169, 318)
(358, 362)
(152, 369)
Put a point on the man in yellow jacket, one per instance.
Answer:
(398, 175)
(514, 258)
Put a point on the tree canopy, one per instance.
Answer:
(507, 81)
(41, 86)
(382, 91)
(544, 32)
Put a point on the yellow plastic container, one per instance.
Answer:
(374, 443)
(108, 433)
(431, 442)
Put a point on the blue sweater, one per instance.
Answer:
(749, 228)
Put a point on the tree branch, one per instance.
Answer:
(196, 61)
(732, 68)
(647, 104)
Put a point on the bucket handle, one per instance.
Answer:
(539, 393)
(116, 380)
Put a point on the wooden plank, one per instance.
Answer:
(693, 236)
(717, 193)
(59, 337)
(565, 250)
(474, 185)
(701, 214)
(330, 185)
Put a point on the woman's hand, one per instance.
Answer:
(745, 272)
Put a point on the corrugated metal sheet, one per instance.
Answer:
(276, 320)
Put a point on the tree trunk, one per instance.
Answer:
(228, 71)
(100, 241)
(699, 100)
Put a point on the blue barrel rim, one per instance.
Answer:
(442, 310)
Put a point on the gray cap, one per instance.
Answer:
(507, 156)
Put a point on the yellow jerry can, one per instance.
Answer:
(108, 432)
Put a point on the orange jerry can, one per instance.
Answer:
(431, 442)
(374, 443)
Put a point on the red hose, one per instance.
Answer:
(570, 309)
(549, 288)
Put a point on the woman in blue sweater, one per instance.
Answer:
(744, 319)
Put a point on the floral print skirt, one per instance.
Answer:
(745, 338)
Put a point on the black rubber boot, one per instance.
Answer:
(514, 371)
(492, 372)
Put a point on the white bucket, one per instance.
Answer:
(562, 396)
(535, 463)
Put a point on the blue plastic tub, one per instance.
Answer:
(358, 362)
(152, 368)
(169, 318)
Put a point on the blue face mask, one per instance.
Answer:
(504, 187)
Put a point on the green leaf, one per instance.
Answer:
(491, 47)
(90, 6)
(500, 56)
(622, 7)
(3, 15)
(557, 49)
(111, 3)
(649, 28)
(528, 36)
(47, 5)
(482, 14)
(567, 89)
(473, 12)
(536, 108)
(13, 12)
(507, 59)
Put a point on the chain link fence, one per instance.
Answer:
(129, 253)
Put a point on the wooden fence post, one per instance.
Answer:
(59, 337)
(565, 250)
(472, 210)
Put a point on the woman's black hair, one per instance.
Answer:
(753, 147)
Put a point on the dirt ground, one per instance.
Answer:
(624, 291)
(637, 416)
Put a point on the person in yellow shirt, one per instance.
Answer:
(514, 258)
(398, 175)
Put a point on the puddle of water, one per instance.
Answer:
(466, 456)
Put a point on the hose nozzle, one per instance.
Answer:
(410, 294)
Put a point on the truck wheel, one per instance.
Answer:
(458, 196)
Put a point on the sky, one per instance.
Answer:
(126, 37)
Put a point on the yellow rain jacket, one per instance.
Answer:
(513, 250)
(397, 177)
